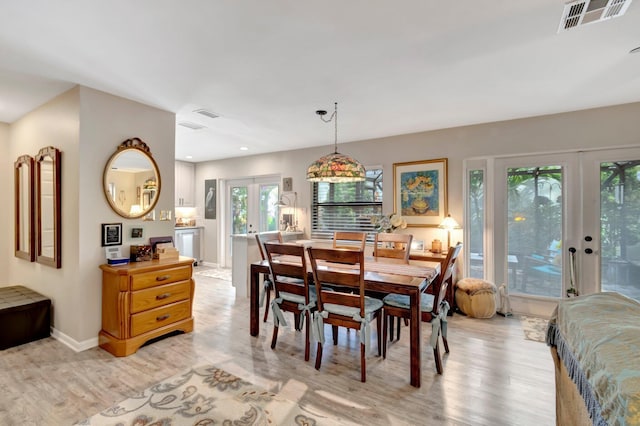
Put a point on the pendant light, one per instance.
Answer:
(336, 167)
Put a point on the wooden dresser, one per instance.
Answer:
(145, 300)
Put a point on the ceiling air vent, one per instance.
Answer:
(191, 125)
(583, 12)
(206, 113)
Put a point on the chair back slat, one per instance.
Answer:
(338, 274)
(444, 279)
(265, 237)
(349, 240)
(397, 246)
(294, 267)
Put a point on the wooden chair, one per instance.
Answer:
(292, 291)
(397, 246)
(433, 308)
(263, 238)
(349, 240)
(338, 308)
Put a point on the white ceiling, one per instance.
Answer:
(265, 66)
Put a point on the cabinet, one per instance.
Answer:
(185, 184)
(189, 242)
(145, 300)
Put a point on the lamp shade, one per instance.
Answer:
(449, 223)
(336, 168)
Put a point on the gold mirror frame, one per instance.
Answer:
(134, 190)
(24, 226)
(48, 207)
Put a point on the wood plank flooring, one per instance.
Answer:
(493, 376)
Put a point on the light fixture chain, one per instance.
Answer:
(335, 114)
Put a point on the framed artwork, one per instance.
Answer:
(111, 234)
(136, 232)
(420, 191)
(210, 199)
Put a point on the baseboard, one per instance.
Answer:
(72, 343)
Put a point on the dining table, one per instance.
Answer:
(382, 275)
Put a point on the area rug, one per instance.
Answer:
(207, 395)
(534, 328)
(214, 272)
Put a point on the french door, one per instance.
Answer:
(557, 221)
(251, 206)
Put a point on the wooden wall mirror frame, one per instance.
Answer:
(48, 207)
(24, 213)
(131, 180)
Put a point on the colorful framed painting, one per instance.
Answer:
(420, 191)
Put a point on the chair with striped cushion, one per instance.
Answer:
(342, 307)
(433, 308)
(263, 238)
(291, 284)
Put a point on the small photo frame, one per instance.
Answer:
(111, 234)
(137, 232)
(417, 245)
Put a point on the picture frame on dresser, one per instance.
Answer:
(111, 234)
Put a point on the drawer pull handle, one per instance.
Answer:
(163, 277)
(163, 317)
(163, 296)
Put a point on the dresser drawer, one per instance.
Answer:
(158, 317)
(153, 297)
(166, 276)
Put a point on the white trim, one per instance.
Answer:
(72, 343)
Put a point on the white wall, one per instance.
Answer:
(588, 129)
(87, 126)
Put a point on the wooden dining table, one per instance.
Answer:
(381, 275)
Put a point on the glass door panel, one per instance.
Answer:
(269, 210)
(239, 212)
(534, 229)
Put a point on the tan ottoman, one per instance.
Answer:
(476, 298)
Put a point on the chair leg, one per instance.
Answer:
(334, 331)
(307, 342)
(319, 356)
(398, 328)
(391, 321)
(296, 318)
(385, 325)
(379, 325)
(436, 356)
(446, 344)
(274, 339)
(267, 306)
(363, 363)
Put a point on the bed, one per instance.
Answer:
(595, 345)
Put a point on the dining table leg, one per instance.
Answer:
(254, 295)
(414, 337)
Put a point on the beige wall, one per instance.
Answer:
(87, 126)
(6, 194)
(588, 129)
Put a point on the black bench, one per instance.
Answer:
(25, 316)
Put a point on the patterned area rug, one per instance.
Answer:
(207, 395)
(214, 272)
(534, 328)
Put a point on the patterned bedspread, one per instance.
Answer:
(598, 339)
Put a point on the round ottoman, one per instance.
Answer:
(476, 297)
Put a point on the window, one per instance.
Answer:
(476, 222)
(346, 206)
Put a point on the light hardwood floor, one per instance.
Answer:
(493, 376)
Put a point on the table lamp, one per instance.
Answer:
(449, 224)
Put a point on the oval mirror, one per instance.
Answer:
(131, 180)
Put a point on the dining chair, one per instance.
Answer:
(349, 240)
(433, 308)
(388, 244)
(341, 308)
(263, 238)
(292, 290)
